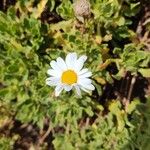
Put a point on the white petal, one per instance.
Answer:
(86, 75)
(88, 87)
(55, 66)
(85, 90)
(58, 90)
(52, 78)
(52, 81)
(54, 73)
(70, 60)
(61, 63)
(80, 62)
(83, 71)
(78, 90)
(67, 88)
(83, 81)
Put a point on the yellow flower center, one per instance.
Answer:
(69, 77)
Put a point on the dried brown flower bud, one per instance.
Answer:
(82, 8)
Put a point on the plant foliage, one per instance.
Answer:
(106, 36)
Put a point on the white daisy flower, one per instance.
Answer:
(69, 74)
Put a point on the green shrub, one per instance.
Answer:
(28, 45)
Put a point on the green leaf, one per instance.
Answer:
(65, 9)
(145, 72)
(114, 107)
(132, 106)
